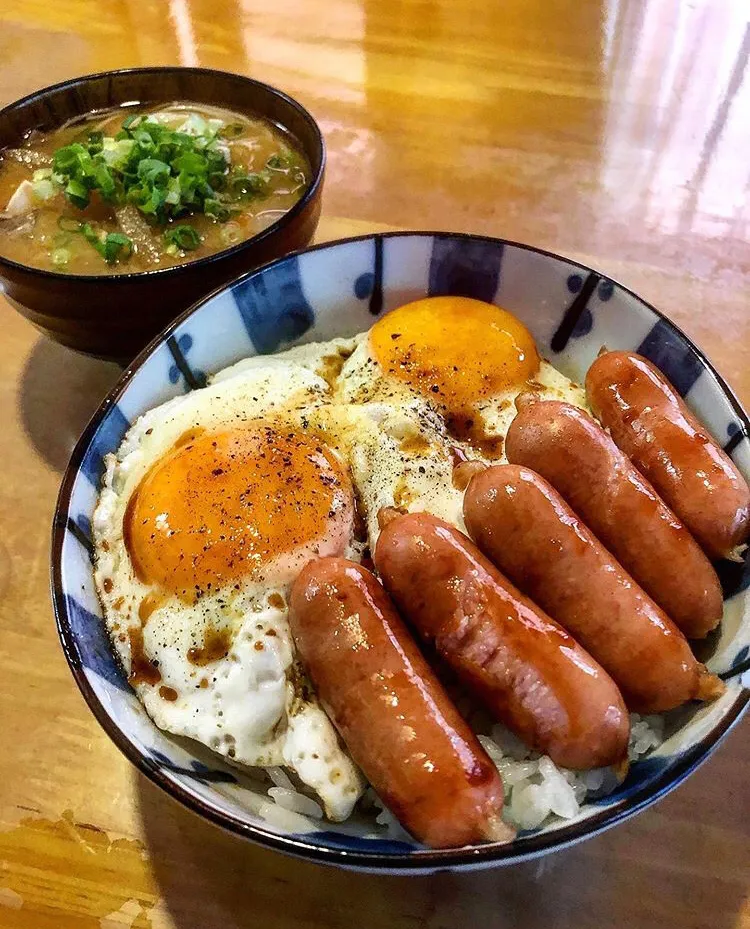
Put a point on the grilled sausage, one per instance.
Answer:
(394, 716)
(529, 672)
(650, 422)
(570, 450)
(525, 527)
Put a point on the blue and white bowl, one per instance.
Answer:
(337, 290)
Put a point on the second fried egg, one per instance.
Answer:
(441, 375)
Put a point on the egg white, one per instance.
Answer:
(407, 461)
(252, 705)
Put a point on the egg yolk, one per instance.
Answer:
(257, 502)
(455, 350)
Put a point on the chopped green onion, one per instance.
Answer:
(217, 180)
(92, 237)
(183, 237)
(60, 257)
(147, 156)
(174, 192)
(77, 193)
(44, 188)
(111, 246)
(232, 131)
(66, 159)
(104, 181)
(231, 233)
(117, 246)
(190, 162)
(68, 224)
(195, 125)
(282, 160)
(165, 173)
(95, 142)
(116, 153)
(217, 210)
(247, 185)
(152, 171)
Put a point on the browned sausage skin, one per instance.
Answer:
(527, 670)
(571, 451)
(394, 716)
(651, 423)
(525, 527)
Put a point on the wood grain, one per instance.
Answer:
(612, 131)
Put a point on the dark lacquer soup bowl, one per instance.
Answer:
(115, 316)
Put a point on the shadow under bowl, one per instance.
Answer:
(115, 316)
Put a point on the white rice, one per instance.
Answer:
(284, 819)
(296, 802)
(285, 795)
(537, 791)
(280, 778)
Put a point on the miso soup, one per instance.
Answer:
(141, 188)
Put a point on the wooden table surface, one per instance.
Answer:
(616, 132)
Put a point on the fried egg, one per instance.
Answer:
(442, 375)
(209, 510)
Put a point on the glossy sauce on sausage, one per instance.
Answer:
(571, 451)
(529, 672)
(394, 716)
(525, 527)
(651, 423)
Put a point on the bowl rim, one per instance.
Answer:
(412, 861)
(281, 223)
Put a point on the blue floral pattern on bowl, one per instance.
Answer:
(337, 289)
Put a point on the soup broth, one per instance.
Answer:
(141, 188)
